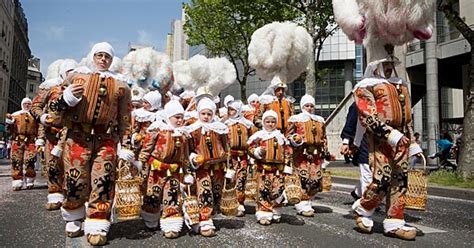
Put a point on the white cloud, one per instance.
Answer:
(55, 33)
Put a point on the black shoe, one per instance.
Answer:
(354, 195)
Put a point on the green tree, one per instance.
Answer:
(466, 158)
(225, 27)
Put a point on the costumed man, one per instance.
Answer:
(385, 111)
(23, 129)
(279, 103)
(273, 158)
(240, 129)
(96, 105)
(307, 136)
(223, 110)
(208, 159)
(143, 117)
(354, 141)
(250, 110)
(165, 154)
(44, 111)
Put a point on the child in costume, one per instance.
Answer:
(307, 136)
(272, 155)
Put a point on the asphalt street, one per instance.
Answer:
(446, 223)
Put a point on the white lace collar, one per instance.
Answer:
(241, 120)
(102, 74)
(214, 126)
(142, 115)
(305, 116)
(372, 81)
(266, 135)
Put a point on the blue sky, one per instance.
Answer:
(68, 28)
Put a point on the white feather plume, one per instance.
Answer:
(200, 70)
(222, 75)
(54, 69)
(280, 49)
(182, 75)
(116, 65)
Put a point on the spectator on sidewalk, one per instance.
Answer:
(354, 141)
(415, 159)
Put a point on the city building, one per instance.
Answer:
(34, 77)
(438, 72)
(7, 11)
(176, 46)
(20, 55)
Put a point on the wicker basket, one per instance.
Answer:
(293, 189)
(191, 207)
(417, 192)
(327, 181)
(229, 204)
(128, 197)
(251, 186)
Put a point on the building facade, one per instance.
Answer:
(176, 46)
(34, 77)
(7, 11)
(20, 55)
(438, 72)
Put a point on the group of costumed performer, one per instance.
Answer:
(383, 102)
(287, 144)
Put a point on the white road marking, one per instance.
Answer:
(348, 186)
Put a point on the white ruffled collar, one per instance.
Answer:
(241, 120)
(305, 116)
(162, 126)
(142, 115)
(214, 126)
(19, 112)
(266, 135)
(102, 74)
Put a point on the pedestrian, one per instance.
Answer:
(414, 160)
(96, 105)
(354, 141)
(164, 157)
(240, 129)
(208, 159)
(307, 136)
(272, 155)
(23, 129)
(389, 129)
(3, 147)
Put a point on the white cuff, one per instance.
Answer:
(171, 224)
(43, 119)
(138, 165)
(56, 151)
(134, 136)
(9, 121)
(188, 179)
(96, 226)
(241, 208)
(394, 137)
(17, 183)
(304, 206)
(206, 225)
(360, 210)
(394, 224)
(55, 197)
(126, 155)
(69, 98)
(294, 143)
(264, 215)
(345, 141)
(30, 181)
(258, 153)
(414, 149)
(75, 214)
(39, 142)
(73, 226)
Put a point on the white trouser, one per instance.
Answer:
(364, 180)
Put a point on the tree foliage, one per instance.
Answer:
(225, 27)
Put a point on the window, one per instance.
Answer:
(32, 88)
